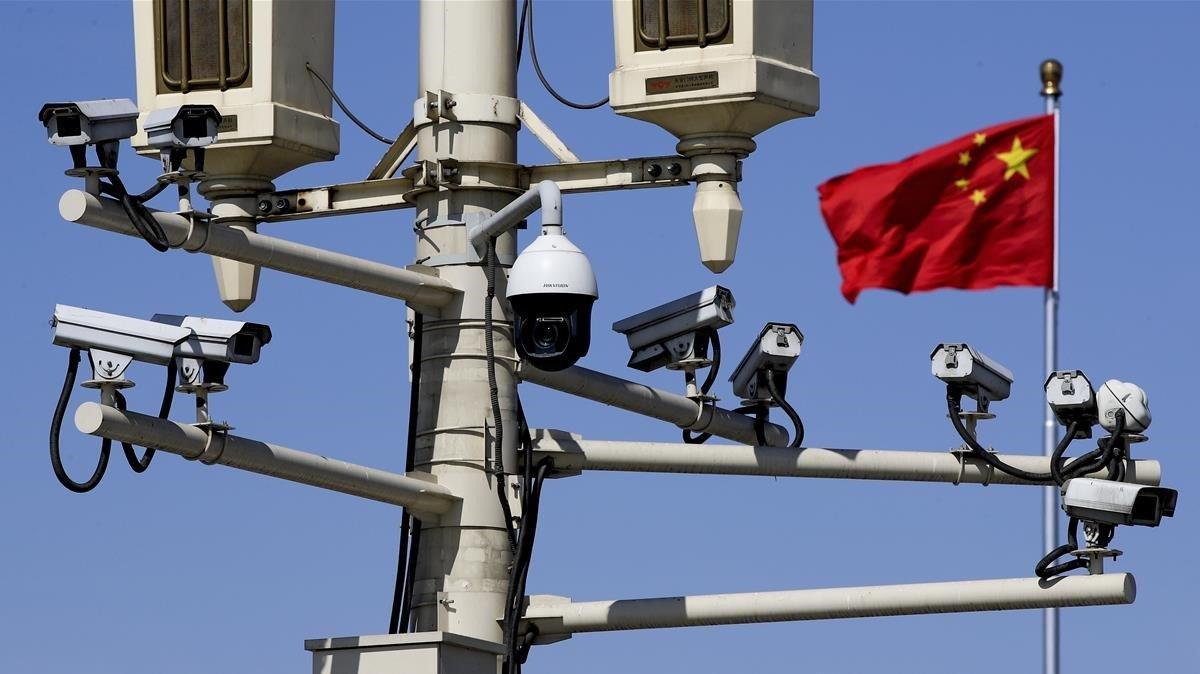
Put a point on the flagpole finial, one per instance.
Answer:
(1051, 78)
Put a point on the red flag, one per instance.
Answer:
(974, 213)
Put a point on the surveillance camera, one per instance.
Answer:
(213, 345)
(114, 341)
(1119, 395)
(1070, 395)
(1110, 502)
(978, 376)
(89, 122)
(78, 124)
(775, 350)
(551, 288)
(678, 330)
(182, 126)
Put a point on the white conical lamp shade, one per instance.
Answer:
(717, 212)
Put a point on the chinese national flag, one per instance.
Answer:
(974, 213)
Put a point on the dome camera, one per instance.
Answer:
(1119, 395)
(551, 288)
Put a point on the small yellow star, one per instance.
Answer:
(978, 197)
(980, 138)
(962, 184)
(964, 158)
(1016, 160)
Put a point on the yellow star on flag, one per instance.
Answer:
(962, 184)
(980, 138)
(978, 197)
(964, 158)
(1016, 160)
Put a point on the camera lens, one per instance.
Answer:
(546, 334)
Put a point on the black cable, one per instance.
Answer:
(954, 406)
(164, 411)
(1103, 456)
(401, 593)
(338, 99)
(64, 398)
(519, 573)
(709, 380)
(139, 216)
(797, 422)
(1057, 469)
(537, 67)
(494, 394)
(521, 32)
(1043, 569)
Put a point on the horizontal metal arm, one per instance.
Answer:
(556, 616)
(655, 403)
(572, 454)
(421, 289)
(423, 496)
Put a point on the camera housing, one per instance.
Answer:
(1110, 502)
(775, 350)
(978, 376)
(1117, 395)
(678, 330)
(182, 126)
(114, 341)
(551, 288)
(214, 344)
(1072, 398)
(89, 122)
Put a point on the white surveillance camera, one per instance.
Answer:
(217, 339)
(551, 288)
(1070, 395)
(774, 351)
(1119, 395)
(975, 374)
(678, 330)
(114, 341)
(213, 345)
(1110, 502)
(89, 122)
(182, 126)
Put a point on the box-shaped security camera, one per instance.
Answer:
(182, 126)
(89, 122)
(701, 67)
(246, 58)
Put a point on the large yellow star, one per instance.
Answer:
(1016, 160)
(978, 197)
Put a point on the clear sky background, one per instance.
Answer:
(190, 568)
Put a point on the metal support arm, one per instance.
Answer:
(655, 403)
(557, 616)
(544, 195)
(573, 454)
(418, 288)
(421, 495)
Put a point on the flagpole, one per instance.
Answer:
(1051, 74)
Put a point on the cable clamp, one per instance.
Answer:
(696, 425)
(961, 454)
(212, 450)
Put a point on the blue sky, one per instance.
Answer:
(191, 569)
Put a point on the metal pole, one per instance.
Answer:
(465, 112)
(195, 443)
(558, 616)
(1051, 73)
(243, 245)
(573, 454)
(656, 403)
